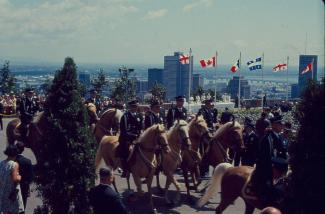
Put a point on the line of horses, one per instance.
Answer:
(180, 149)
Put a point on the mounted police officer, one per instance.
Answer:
(248, 155)
(153, 116)
(178, 112)
(27, 108)
(209, 114)
(271, 146)
(95, 100)
(130, 129)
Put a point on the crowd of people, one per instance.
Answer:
(266, 141)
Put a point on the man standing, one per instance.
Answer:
(248, 155)
(27, 109)
(26, 172)
(208, 114)
(130, 129)
(103, 198)
(153, 116)
(271, 146)
(178, 112)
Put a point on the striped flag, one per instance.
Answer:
(208, 63)
(280, 67)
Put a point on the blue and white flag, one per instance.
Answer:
(255, 64)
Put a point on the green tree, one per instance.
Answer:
(7, 79)
(100, 81)
(66, 163)
(124, 87)
(158, 91)
(307, 154)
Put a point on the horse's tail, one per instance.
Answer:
(98, 155)
(214, 183)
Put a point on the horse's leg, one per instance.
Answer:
(168, 181)
(149, 182)
(178, 196)
(128, 180)
(138, 183)
(114, 184)
(194, 180)
(249, 209)
(157, 179)
(185, 174)
(222, 206)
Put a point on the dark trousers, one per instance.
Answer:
(1, 123)
(24, 192)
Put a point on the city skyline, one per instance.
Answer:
(143, 31)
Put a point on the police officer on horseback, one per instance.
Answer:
(209, 114)
(153, 116)
(178, 112)
(271, 147)
(131, 126)
(27, 109)
(95, 100)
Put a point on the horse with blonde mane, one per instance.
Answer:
(142, 161)
(178, 141)
(108, 124)
(92, 115)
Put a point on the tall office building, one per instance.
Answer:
(84, 78)
(155, 75)
(197, 81)
(141, 87)
(294, 91)
(245, 89)
(176, 76)
(304, 60)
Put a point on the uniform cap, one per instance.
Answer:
(11, 150)
(154, 103)
(133, 103)
(27, 90)
(179, 98)
(276, 119)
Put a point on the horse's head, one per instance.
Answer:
(162, 138)
(230, 135)
(91, 110)
(199, 129)
(117, 118)
(181, 129)
(35, 132)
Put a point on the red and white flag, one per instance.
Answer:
(280, 67)
(208, 63)
(235, 67)
(184, 59)
(308, 68)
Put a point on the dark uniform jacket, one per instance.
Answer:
(270, 146)
(208, 115)
(175, 114)
(27, 109)
(251, 149)
(151, 119)
(27, 175)
(105, 200)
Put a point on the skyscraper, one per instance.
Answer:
(155, 75)
(304, 61)
(84, 78)
(176, 76)
(244, 88)
(197, 81)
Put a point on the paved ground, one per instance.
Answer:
(141, 206)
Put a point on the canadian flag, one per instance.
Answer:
(308, 68)
(235, 67)
(208, 63)
(184, 59)
(280, 67)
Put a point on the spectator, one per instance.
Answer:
(1, 112)
(103, 198)
(10, 194)
(26, 172)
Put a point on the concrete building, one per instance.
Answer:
(232, 89)
(197, 81)
(176, 76)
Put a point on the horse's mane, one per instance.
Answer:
(149, 131)
(225, 127)
(91, 107)
(173, 130)
(198, 120)
(114, 111)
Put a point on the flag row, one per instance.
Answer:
(255, 64)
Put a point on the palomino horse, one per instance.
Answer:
(142, 162)
(233, 182)
(92, 116)
(34, 133)
(178, 141)
(108, 124)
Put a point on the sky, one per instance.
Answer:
(144, 31)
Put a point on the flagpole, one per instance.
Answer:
(215, 88)
(287, 78)
(262, 78)
(239, 80)
(189, 80)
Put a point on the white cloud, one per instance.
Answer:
(49, 21)
(156, 14)
(197, 3)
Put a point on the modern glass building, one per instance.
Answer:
(245, 89)
(304, 60)
(176, 76)
(155, 75)
(197, 81)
